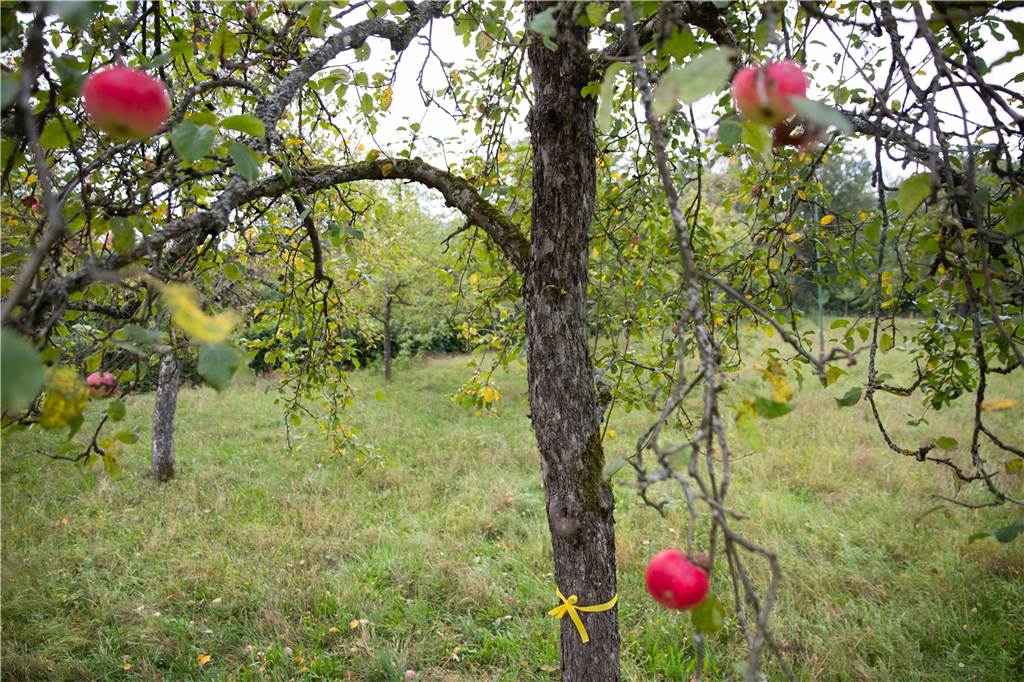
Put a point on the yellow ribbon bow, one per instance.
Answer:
(569, 606)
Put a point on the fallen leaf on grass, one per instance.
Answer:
(997, 405)
(204, 659)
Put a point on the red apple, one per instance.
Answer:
(101, 384)
(763, 93)
(251, 10)
(125, 102)
(38, 208)
(674, 581)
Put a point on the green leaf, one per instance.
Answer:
(821, 113)
(124, 235)
(832, 374)
(612, 466)
(225, 43)
(730, 131)
(366, 104)
(192, 142)
(71, 77)
(245, 123)
(58, 134)
(116, 410)
(596, 12)
(912, 192)
(162, 59)
(1014, 213)
(246, 162)
(1010, 532)
(709, 615)
(946, 443)
(232, 271)
(76, 14)
(316, 19)
(770, 409)
(21, 371)
(10, 84)
(850, 398)
(544, 24)
(362, 52)
(758, 138)
(217, 363)
(680, 44)
(706, 73)
(128, 437)
(604, 107)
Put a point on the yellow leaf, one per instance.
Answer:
(385, 98)
(795, 237)
(781, 392)
(862, 215)
(204, 659)
(64, 400)
(183, 302)
(827, 220)
(386, 169)
(997, 405)
(611, 433)
(353, 624)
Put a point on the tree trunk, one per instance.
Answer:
(563, 403)
(162, 462)
(387, 338)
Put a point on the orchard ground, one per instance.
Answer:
(262, 563)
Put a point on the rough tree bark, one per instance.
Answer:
(388, 300)
(563, 402)
(162, 462)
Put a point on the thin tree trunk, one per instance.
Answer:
(387, 338)
(162, 462)
(563, 402)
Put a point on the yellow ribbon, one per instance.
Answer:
(569, 606)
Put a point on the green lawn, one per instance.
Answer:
(299, 564)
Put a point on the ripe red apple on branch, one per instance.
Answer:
(101, 384)
(125, 102)
(763, 93)
(675, 582)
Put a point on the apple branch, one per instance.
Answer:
(457, 192)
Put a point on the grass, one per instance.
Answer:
(299, 564)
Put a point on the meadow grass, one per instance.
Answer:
(296, 563)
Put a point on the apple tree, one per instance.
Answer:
(632, 220)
